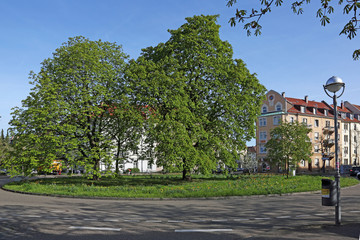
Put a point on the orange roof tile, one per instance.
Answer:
(301, 102)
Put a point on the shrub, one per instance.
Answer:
(132, 170)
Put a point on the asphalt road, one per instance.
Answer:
(295, 216)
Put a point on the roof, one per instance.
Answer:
(357, 106)
(342, 109)
(309, 105)
(251, 149)
(312, 104)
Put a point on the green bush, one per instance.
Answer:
(133, 170)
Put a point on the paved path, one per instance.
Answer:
(296, 216)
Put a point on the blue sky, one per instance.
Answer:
(294, 54)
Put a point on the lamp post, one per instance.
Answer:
(333, 85)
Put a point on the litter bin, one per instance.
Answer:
(328, 192)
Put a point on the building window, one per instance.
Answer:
(346, 150)
(351, 116)
(305, 121)
(136, 164)
(325, 112)
(327, 123)
(338, 125)
(316, 149)
(302, 109)
(262, 122)
(346, 126)
(316, 136)
(343, 115)
(346, 161)
(328, 163)
(302, 163)
(355, 126)
(355, 139)
(346, 138)
(278, 107)
(314, 111)
(262, 149)
(316, 123)
(276, 120)
(292, 119)
(263, 135)
(264, 109)
(316, 162)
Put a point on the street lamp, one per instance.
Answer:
(334, 84)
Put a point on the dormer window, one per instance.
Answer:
(314, 110)
(302, 109)
(325, 112)
(343, 116)
(351, 116)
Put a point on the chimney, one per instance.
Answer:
(342, 104)
(306, 99)
(283, 94)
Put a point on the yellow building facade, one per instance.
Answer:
(318, 116)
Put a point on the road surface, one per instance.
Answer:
(296, 216)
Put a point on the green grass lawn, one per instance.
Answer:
(171, 186)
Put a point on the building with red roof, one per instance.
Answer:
(318, 116)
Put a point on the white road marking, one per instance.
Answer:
(284, 217)
(202, 230)
(262, 218)
(110, 220)
(175, 221)
(354, 211)
(322, 214)
(129, 220)
(67, 218)
(90, 219)
(30, 216)
(95, 228)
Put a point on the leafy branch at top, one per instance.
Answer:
(251, 19)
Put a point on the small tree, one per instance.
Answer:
(289, 144)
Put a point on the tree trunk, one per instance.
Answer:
(96, 169)
(186, 172)
(288, 169)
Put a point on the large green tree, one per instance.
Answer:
(250, 19)
(289, 144)
(66, 114)
(202, 103)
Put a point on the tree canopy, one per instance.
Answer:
(204, 103)
(289, 144)
(66, 114)
(251, 19)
